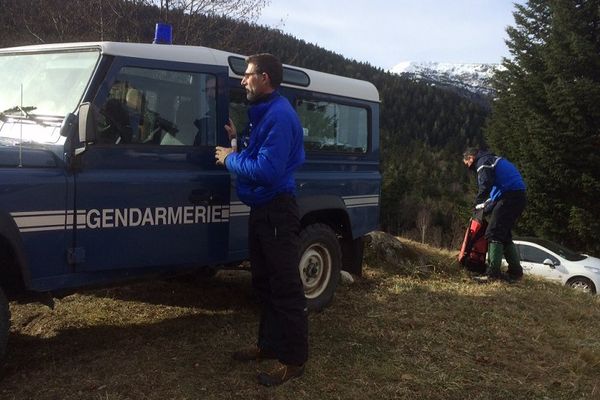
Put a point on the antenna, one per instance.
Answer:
(21, 130)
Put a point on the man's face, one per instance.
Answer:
(468, 161)
(256, 84)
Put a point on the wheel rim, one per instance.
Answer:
(581, 286)
(315, 270)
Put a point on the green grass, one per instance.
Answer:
(417, 328)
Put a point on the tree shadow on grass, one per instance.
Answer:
(389, 337)
(133, 359)
(229, 289)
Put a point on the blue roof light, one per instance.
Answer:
(163, 34)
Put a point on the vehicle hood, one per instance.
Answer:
(25, 156)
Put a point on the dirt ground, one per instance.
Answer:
(390, 335)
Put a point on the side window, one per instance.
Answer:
(159, 107)
(533, 254)
(330, 126)
(238, 108)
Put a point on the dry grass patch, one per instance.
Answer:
(416, 328)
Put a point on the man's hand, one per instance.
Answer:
(231, 134)
(230, 129)
(221, 153)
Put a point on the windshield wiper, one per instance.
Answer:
(23, 111)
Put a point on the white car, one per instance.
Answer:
(552, 261)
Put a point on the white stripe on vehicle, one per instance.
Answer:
(41, 221)
(361, 201)
(238, 209)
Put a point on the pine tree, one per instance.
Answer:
(546, 117)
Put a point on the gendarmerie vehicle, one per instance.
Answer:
(107, 168)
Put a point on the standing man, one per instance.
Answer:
(501, 191)
(265, 182)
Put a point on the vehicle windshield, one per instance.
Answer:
(44, 84)
(561, 250)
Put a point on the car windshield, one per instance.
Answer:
(560, 250)
(44, 84)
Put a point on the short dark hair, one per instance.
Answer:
(470, 151)
(269, 64)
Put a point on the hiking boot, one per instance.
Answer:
(515, 271)
(513, 278)
(495, 251)
(253, 353)
(280, 374)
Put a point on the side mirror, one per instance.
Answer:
(87, 127)
(549, 263)
(87, 123)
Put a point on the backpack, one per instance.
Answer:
(474, 247)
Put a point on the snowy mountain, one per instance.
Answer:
(474, 78)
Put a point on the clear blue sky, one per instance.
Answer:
(386, 32)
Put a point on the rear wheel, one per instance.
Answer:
(320, 264)
(4, 324)
(583, 284)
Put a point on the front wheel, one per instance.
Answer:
(583, 284)
(320, 265)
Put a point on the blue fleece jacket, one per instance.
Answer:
(266, 167)
(495, 176)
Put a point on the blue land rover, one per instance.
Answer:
(107, 168)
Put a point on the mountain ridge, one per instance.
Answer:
(474, 78)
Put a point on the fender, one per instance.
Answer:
(9, 231)
(308, 204)
(352, 248)
(321, 207)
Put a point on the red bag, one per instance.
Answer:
(474, 247)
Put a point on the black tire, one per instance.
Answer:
(583, 284)
(320, 264)
(4, 324)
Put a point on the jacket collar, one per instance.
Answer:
(258, 109)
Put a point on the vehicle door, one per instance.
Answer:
(148, 193)
(239, 212)
(532, 261)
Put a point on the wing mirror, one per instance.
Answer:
(87, 123)
(550, 263)
(87, 126)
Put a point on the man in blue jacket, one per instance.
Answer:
(501, 192)
(265, 182)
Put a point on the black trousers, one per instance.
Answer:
(504, 216)
(274, 244)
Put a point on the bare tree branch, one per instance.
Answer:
(34, 35)
(244, 10)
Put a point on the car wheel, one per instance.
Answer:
(320, 264)
(583, 284)
(4, 324)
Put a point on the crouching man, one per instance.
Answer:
(501, 191)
